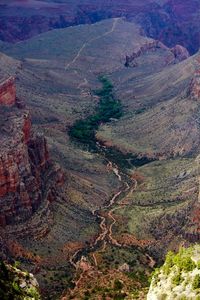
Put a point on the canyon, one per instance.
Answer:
(106, 215)
(161, 20)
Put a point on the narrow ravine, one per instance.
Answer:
(106, 224)
(84, 132)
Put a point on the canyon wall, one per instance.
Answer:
(24, 161)
(7, 92)
(160, 20)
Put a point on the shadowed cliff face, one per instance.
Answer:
(171, 22)
(176, 22)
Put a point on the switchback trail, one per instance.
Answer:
(115, 21)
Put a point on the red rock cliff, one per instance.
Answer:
(7, 92)
(24, 165)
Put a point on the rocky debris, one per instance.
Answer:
(27, 176)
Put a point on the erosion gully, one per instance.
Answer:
(106, 222)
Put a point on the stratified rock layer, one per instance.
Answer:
(171, 22)
(7, 92)
(180, 53)
(24, 161)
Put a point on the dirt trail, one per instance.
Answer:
(115, 21)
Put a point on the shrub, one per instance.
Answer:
(118, 285)
(169, 262)
(177, 279)
(185, 263)
(196, 282)
(198, 264)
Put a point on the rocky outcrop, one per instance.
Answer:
(149, 46)
(180, 53)
(24, 165)
(7, 92)
(192, 231)
(21, 20)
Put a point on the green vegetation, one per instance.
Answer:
(141, 276)
(177, 279)
(107, 108)
(182, 260)
(198, 264)
(169, 262)
(180, 269)
(118, 285)
(196, 282)
(10, 281)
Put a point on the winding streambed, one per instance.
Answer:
(108, 221)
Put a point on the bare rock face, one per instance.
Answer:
(24, 162)
(149, 46)
(180, 53)
(7, 92)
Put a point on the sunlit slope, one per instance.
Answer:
(162, 117)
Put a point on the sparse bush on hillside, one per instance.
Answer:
(182, 260)
(177, 279)
(11, 279)
(169, 262)
(118, 285)
(180, 272)
(198, 264)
